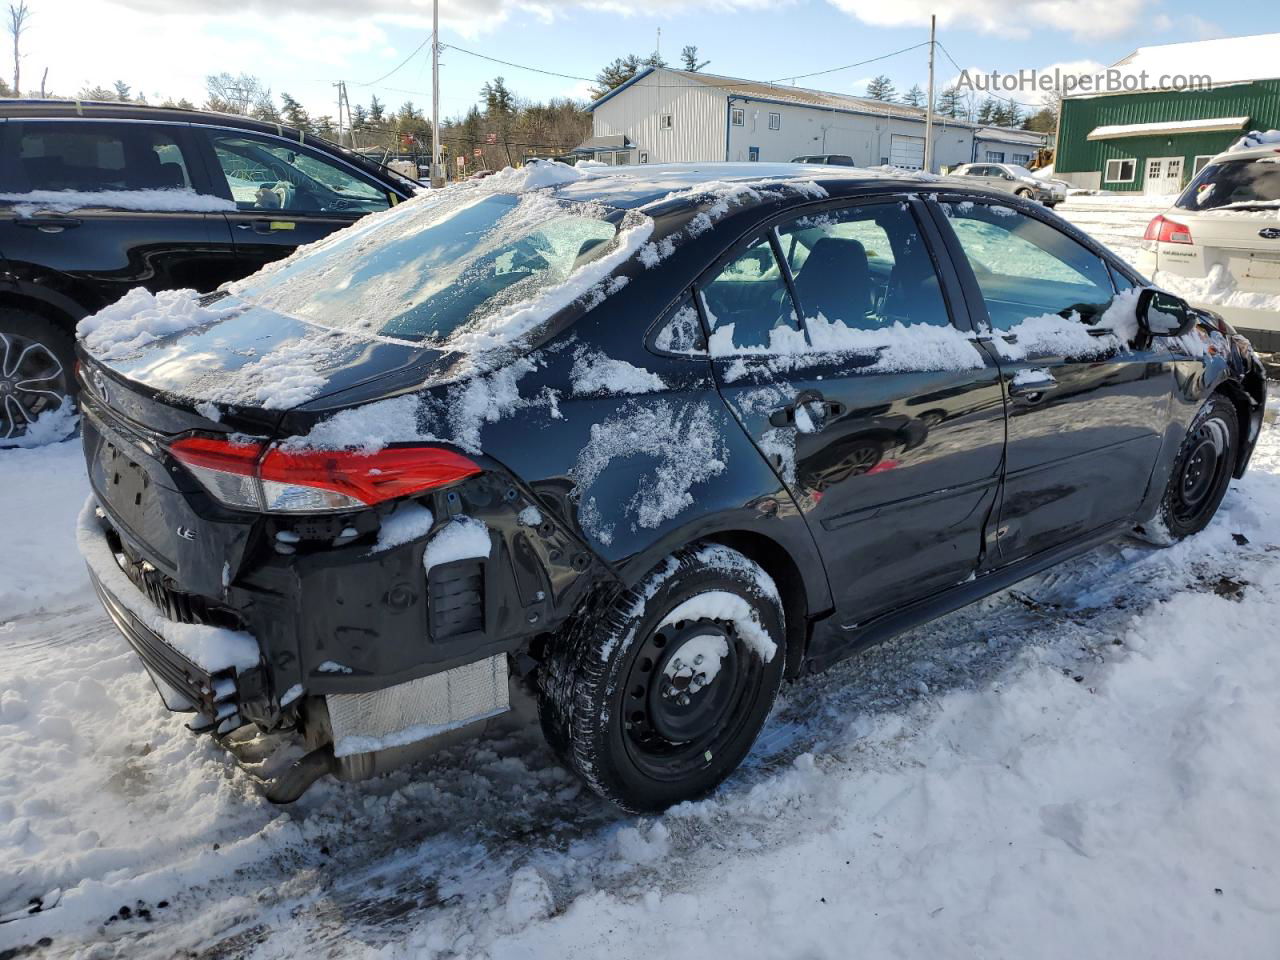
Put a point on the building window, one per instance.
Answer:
(1120, 171)
(753, 154)
(738, 116)
(644, 157)
(666, 123)
(995, 156)
(621, 158)
(1201, 161)
(1022, 158)
(775, 121)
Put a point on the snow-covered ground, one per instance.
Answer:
(1082, 766)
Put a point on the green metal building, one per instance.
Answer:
(1156, 140)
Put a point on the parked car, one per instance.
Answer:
(827, 159)
(1010, 178)
(97, 198)
(638, 447)
(1223, 233)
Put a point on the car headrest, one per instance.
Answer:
(835, 281)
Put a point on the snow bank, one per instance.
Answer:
(52, 426)
(465, 538)
(64, 201)
(39, 566)
(210, 648)
(141, 317)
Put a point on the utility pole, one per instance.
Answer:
(339, 86)
(928, 115)
(436, 179)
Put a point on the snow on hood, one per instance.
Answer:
(141, 317)
(65, 201)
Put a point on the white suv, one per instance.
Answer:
(1219, 244)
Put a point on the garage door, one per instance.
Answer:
(906, 151)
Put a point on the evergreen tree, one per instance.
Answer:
(949, 103)
(293, 112)
(987, 110)
(122, 91)
(881, 88)
(616, 74)
(689, 57)
(324, 127)
(914, 97)
(377, 111)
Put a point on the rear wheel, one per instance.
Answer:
(659, 698)
(37, 379)
(1200, 474)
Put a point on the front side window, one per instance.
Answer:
(1026, 268)
(1120, 171)
(747, 305)
(1234, 184)
(739, 116)
(265, 174)
(438, 266)
(865, 268)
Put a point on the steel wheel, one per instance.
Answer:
(1201, 469)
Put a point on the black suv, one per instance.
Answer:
(646, 439)
(98, 198)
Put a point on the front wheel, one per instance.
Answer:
(1200, 474)
(658, 698)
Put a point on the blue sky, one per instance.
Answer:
(302, 46)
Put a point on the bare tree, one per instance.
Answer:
(240, 94)
(18, 14)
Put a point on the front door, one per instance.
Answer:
(1163, 176)
(1087, 407)
(285, 194)
(834, 346)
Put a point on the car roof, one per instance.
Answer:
(635, 186)
(1249, 153)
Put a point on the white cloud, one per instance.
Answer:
(1083, 18)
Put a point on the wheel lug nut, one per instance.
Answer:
(683, 700)
(697, 660)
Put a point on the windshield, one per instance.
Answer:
(1234, 183)
(432, 267)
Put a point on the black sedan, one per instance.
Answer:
(640, 442)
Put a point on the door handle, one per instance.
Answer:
(48, 224)
(266, 226)
(1033, 387)
(809, 413)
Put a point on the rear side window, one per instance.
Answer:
(1026, 268)
(1236, 184)
(92, 157)
(747, 303)
(863, 267)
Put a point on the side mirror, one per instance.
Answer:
(1163, 315)
(1010, 176)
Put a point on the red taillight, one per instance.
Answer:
(279, 480)
(1164, 230)
(370, 478)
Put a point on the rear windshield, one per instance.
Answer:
(437, 265)
(1232, 184)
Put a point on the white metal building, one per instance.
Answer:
(675, 116)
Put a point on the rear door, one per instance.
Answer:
(95, 208)
(880, 417)
(285, 194)
(1086, 410)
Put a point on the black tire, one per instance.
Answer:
(1200, 474)
(640, 725)
(37, 370)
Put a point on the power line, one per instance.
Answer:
(850, 66)
(993, 96)
(405, 61)
(518, 66)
